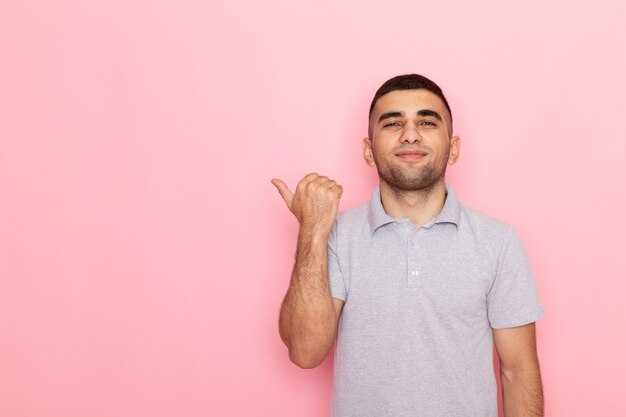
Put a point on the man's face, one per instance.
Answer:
(410, 144)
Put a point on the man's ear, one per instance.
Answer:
(455, 149)
(367, 152)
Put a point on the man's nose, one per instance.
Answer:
(411, 135)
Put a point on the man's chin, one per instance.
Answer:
(404, 183)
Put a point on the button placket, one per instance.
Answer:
(413, 270)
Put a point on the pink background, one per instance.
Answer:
(144, 253)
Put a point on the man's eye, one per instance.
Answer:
(427, 123)
(392, 124)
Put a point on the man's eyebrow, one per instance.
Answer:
(390, 115)
(423, 113)
(432, 113)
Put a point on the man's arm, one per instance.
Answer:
(309, 315)
(519, 370)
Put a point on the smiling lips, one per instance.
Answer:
(411, 154)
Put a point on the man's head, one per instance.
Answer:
(409, 82)
(410, 138)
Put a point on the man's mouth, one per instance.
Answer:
(411, 154)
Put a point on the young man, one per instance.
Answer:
(416, 286)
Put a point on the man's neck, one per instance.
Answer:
(418, 206)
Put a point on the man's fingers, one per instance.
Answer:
(320, 182)
(329, 184)
(308, 178)
(284, 191)
(314, 179)
(339, 189)
(321, 179)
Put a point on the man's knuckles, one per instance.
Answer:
(306, 180)
(318, 187)
(310, 176)
(321, 190)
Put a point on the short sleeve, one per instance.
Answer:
(337, 285)
(513, 299)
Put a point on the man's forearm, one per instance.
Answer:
(522, 393)
(307, 316)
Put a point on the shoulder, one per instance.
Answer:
(355, 215)
(350, 225)
(497, 241)
(485, 228)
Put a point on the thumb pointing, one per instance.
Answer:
(284, 191)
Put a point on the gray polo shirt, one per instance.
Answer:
(415, 335)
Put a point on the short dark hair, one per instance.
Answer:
(409, 82)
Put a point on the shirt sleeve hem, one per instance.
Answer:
(520, 321)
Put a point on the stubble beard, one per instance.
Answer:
(404, 180)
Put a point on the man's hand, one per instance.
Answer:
(315, 202)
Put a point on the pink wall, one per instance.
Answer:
(144, 253)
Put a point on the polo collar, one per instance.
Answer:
(377, 217)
